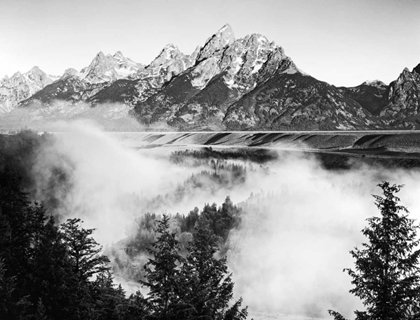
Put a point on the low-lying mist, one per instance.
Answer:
(299, 221)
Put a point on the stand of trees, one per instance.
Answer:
(195, 286)
(51, 271)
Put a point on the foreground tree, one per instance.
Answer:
(163, 274)
(197, 286)
(209, 286)
(387, 275)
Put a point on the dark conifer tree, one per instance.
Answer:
(162, 273)
(83, 250)
(208, 287)
(387, 274)
(21, 223)
(134, 308)
(86, 264)
(52, 283)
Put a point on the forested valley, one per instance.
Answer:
(52, 268)
(178, 261)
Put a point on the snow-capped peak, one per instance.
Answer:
(35, 69)
(169, 53)
(105, 68)
(21, 86)
(119, 55)
(223, 38)
(225, 28)
(70, 72)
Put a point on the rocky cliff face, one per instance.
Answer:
(225, 84)
(403, 100)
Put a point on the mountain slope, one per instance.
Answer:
(169, 63)
(296, 102)
(371, 95)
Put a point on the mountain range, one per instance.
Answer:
(225, 84)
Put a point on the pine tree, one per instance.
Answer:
(21, 223)
(83, 249)
(134, 308)
(53, 281)
(7, 286)
(86, 263)
(40, 311)
(162, 273)
(387, 275)
(108, 300)
(208, 287)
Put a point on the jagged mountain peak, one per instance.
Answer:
(17, 74)
(169, 51)
(417, 69)
(118, 55)
(407, 75)
(403, 96)
(256, 38)
(169, 47)
(21, 86)
(100, 57)
(36, 69)
(108, 68)
(226, 29)
(33, 74)
(166, 56)
(70, 72)
(223, 38)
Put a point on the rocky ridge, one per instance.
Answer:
(21, 86)
(403, 99)
(226, 84)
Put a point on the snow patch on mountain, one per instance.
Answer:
(108, 68)
(204, 72)
(374, 83)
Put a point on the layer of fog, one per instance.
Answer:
(299, 226)
(113, 117)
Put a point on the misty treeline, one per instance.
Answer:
(56, 270)
(20, 152)
(195, 157)
(218, 220)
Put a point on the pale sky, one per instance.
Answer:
(337, 41)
